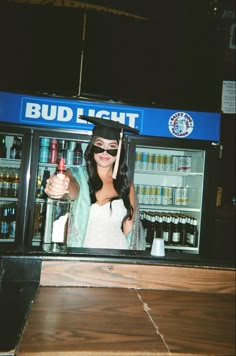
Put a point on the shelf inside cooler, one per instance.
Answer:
(175, 208)
(7, 162)
(183, 248)
(6, 200)
(171, 173)
(163, 159)
(7, 240)
(54, 165)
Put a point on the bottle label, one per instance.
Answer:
(176, 237)
(190, 239)
(165, 235)
(60, 229)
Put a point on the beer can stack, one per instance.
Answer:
(51, 150)
(162, 195)
(181, 196)
(146, 161)
(182, 163)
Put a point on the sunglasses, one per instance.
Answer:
(111, 151)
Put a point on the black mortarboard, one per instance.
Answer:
(110, 130)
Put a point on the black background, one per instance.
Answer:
(176, 58)
(171, 59)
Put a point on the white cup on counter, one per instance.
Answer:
(158, 247)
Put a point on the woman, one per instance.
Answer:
(105, 210)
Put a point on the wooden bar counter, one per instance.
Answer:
(102, 308)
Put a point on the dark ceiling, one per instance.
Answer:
(151, 9)
(172, 57)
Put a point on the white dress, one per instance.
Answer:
(104, 226)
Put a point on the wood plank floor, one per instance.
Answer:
(117, 321)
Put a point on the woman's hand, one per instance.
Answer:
(56, 187)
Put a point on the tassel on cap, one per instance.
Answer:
(115, 169)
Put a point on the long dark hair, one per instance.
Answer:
(121, 183)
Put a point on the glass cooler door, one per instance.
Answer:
(50, 150)
(10, 173)
(169, 185)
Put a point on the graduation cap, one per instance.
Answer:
(110, 130)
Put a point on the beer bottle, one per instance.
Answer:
(144, 223)
(3, 147)
(13, 148)
(5, 224)
(159, 233)
(18, 148)
(78, 154)
(150, 229)
(195, 233)
(6, 185)
(183, 231)
(15, 183)
(61, 168)
(62, 148)
(192, 235)
(176, 231)
(167, 230)
(12, 222)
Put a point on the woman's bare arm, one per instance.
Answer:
(128, 223)
(73, 186)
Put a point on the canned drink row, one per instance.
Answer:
(162, 195)
(159, 162)
(51, 150)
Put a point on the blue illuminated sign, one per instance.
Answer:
(65, 113)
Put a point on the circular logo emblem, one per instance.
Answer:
(180, 124)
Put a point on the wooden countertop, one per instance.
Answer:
(121, 321)
(108, 308)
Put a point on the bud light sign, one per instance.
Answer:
(63, 113)
(67, 114)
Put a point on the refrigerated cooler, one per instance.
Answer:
(49, 147)
(172, 163)
(14, 179)
(175, 185)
